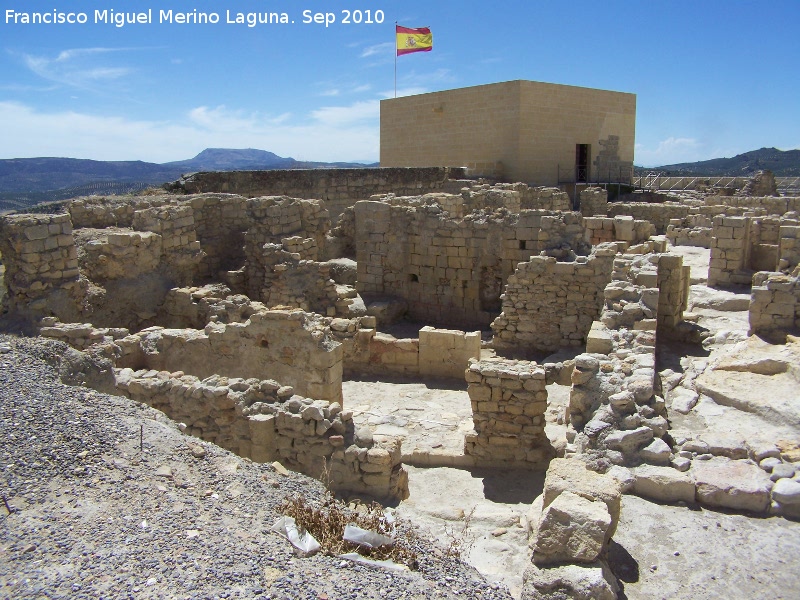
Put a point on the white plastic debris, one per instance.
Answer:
(304, 544)
(383, 564)
(365, 537)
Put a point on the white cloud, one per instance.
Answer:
(386, 48)
(670, 151)
(330, 134)
(75, 67)
(339, 116)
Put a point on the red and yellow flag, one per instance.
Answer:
(413, 40)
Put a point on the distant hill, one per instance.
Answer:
(28, 181)
(782, 163)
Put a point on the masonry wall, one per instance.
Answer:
(621, 228)
(593, 202)
(265, 421)
(741, 246)
(452, 271)
(789, 248)
(515, 131)
(41, 263)
(509, 399)
(774, 304)
(339, 188)
(548, 305)
(294, 347)
(773, 205)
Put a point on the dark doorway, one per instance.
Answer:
(582, 163)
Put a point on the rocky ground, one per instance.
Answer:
(107, 498)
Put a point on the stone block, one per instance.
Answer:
(736, 484)
(578, 582)
(663, 484)
(571, 529)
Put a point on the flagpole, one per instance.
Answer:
(395, 59)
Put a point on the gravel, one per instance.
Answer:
(110, 500)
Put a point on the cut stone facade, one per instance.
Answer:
(515, 131)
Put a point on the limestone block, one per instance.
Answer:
(736, 484)
(571, 529)
(787, 492)
(663, 484)
(682, 400)
(656, 452)
(577, 582)
(571, 475)
(725, 444)
(629, 441)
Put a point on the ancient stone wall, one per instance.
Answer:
(278, 277)
(730, 245)
(453, 270)
(593, 202)
(760, 184)
(447, 352)
(509, 399)
(41, 261)
(291, 346)
(741, 246)
(658, 214)
(438, 353)
(674, 284)
(339, 188)
(774, 304)
(620, 228)
(265, 421)
(692, 230)
(789, 248)
(541, 198)
(773, 205)
(612, 404)
(224, 220)
(548, 305)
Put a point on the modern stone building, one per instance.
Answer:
(539, 133)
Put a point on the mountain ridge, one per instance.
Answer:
(43, 174)
(782, 163)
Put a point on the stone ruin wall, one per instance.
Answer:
(339, 188)
(774, 304)
(294, 347)
(164, 235)
(600, 230)
(41, 262)
(548, 305)
(741, 246)
(593, 202)
(509, 399)
(265, 421)
(452, 270)
(612, 404)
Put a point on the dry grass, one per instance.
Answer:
(460, 538)
(327, 521)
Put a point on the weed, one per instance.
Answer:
(326, 522)
(460, 539)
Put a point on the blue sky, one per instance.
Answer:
(712, 78)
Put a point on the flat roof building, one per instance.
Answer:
(538, 133)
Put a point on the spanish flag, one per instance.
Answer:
(413, 40)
